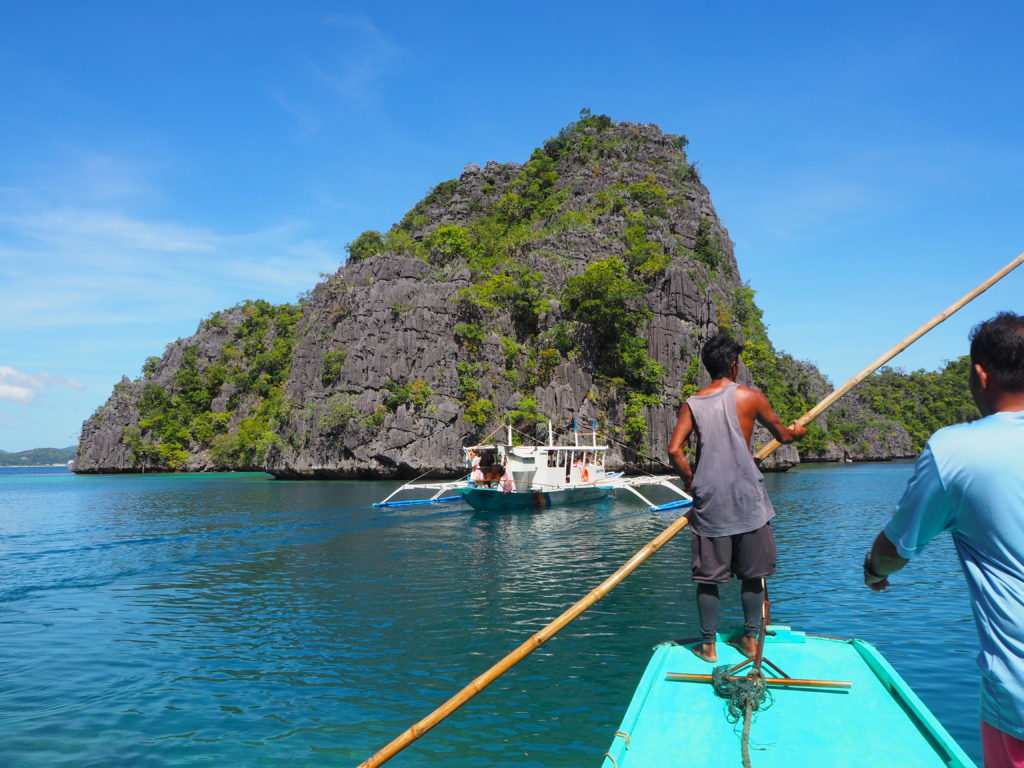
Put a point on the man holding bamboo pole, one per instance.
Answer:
(732, 535)
(969, 480)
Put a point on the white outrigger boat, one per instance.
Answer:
(505, 476)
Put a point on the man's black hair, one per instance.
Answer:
(720, 352)
(998, 346)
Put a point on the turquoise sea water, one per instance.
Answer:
(235, 620)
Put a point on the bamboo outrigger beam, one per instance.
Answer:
(524, 650)
(817, 410)
(779, 682)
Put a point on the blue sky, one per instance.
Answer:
(159, 162)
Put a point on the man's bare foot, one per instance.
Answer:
(745, 645)
(706, 651)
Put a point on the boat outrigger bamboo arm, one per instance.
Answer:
(817, 410)
(664, 481)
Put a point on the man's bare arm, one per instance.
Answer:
(677, 445)
(767, 417)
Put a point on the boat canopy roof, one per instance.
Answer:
(494, 447)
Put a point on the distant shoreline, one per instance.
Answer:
(32, 466)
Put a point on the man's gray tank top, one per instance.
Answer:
(728, 489)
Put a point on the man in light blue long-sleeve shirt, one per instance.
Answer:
(969, 480)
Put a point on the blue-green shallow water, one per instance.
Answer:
(237, 620)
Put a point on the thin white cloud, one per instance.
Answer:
(84, 174)
(77, 266)
(349, 74)
(787, 202)
(66, 226)
(815, 204)
(369, 56)
(305, 116)
(24, 388)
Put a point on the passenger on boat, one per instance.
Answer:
(584, 468)
(969, 480)
(476, 475)
(731, 510)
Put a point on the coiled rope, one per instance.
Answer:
(744, 696)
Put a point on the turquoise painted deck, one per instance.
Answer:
(878, 721)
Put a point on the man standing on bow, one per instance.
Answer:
(731, 509)
(969, 480)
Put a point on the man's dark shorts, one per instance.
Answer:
(748, 555)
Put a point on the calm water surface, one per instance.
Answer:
(175, 620)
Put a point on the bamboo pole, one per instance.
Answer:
(524, 650)
(817, 410)
(778, 682)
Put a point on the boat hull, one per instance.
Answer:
(877, 720)
(495, 500)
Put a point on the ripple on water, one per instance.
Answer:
(235, 620)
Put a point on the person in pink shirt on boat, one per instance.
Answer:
(732, 535)
(969, 480)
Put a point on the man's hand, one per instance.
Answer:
(872, 580)
(882, 561)
(677, 445)
(797, 431)
(687, 481)
(877, 586)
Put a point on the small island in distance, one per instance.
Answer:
(38, 457)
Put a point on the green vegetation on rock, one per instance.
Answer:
(606, 302)
(176, 418)
(368, 244)
(923, 401)
(334, 359)
(708, 245)
(336, 413)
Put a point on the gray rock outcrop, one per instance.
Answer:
(438, 330)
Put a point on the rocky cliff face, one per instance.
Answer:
(854, 431)
(579, 285)
(181, 413)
